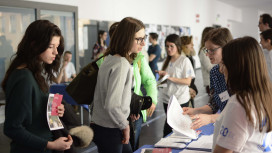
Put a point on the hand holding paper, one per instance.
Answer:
(54, 110)
(179, 122)
(55, 103)
(163, 79)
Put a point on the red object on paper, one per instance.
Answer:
(55, 103)
(161, 150)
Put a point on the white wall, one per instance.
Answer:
(248, 25)
(165, 12)
(63, 2)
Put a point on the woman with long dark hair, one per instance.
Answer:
(26, 90)
(100, 46)
(180, 71)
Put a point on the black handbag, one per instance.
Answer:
(82, 87)
(139, 103)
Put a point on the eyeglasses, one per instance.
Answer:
(141, 39)
(211, 51)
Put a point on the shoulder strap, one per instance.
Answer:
(139, 65)
(99, 58)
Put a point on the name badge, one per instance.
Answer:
(224, 96)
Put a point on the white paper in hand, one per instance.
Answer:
(162, 79)
(179, 122)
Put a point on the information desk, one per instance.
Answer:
(205, 130)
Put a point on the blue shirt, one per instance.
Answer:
(157, 51)
(217, 86)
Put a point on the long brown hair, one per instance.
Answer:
(123, 37)
(248, 78)
(35, 41)
(172, 38)
(204, 33)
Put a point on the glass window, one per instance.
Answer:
(13, 23)
(66, 22)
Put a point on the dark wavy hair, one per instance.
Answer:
(266, 18)
(123, 37)
(267, 34)
(35, 41)
(248, 78)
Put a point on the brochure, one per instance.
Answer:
(54, 123)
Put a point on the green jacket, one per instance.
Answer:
(143, 76)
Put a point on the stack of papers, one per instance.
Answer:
(204, 142)
(171, 142)
(180, 123)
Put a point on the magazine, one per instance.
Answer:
(54, 100)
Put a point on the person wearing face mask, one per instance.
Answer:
(181, 73)
(214, 41)
(26, 90)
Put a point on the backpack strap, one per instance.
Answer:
(139, 65)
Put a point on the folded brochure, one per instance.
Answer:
(54, 100)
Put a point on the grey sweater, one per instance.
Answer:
(113, 93)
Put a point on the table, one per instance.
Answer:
(60, 89)
(206, 130)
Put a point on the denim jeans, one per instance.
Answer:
(137, 132)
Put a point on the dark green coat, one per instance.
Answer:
(25, 114)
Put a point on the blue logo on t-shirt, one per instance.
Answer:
(224, 131)
(267, 143)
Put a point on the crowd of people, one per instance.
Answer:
(237, 76)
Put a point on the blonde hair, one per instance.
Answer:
(186, 40)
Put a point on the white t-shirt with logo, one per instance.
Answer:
(233, 131)
(181, 68)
